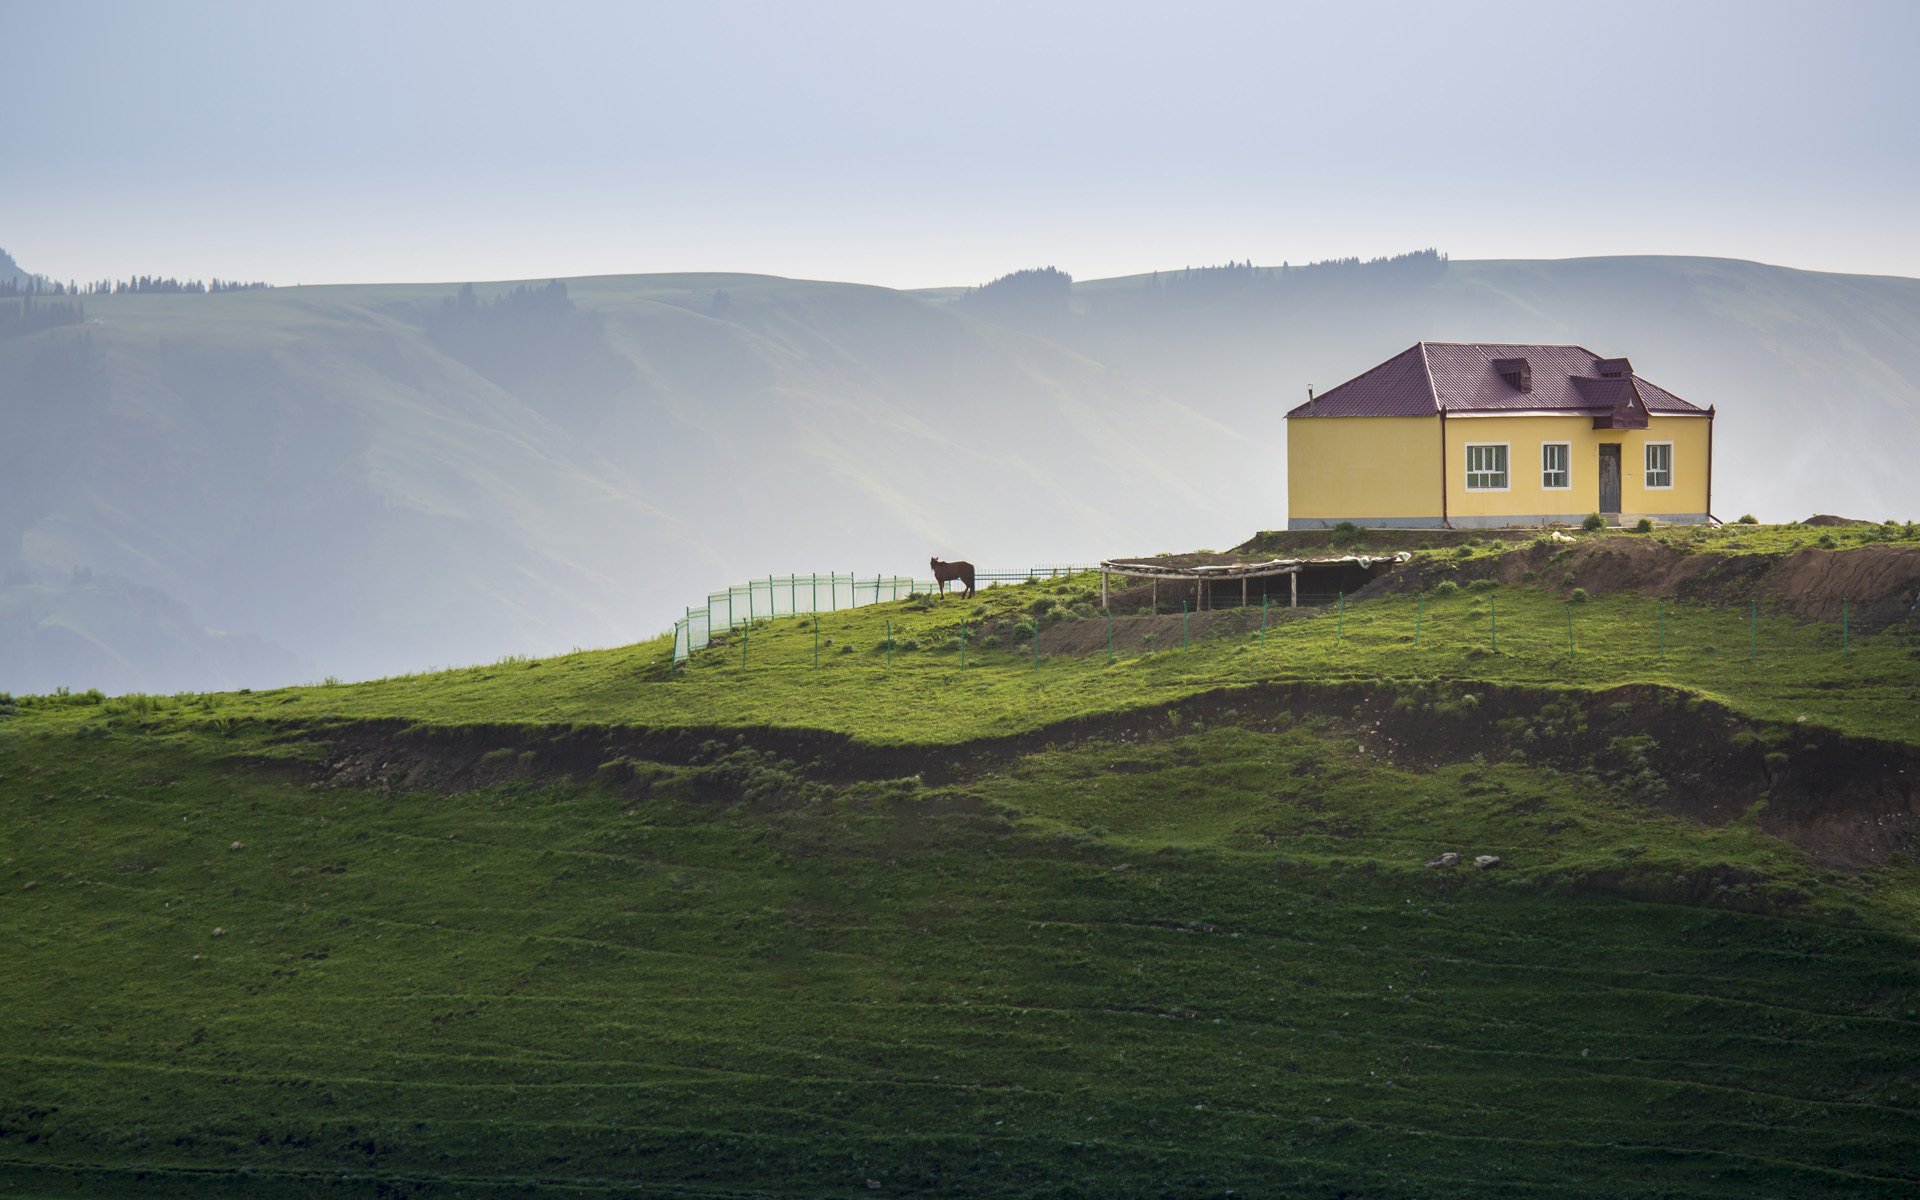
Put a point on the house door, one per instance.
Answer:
(1610, 478)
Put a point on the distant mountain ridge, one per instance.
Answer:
(369, 479)
(10, 271)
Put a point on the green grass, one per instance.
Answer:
(1785, 670)
(1221, 966)
(1188, 954)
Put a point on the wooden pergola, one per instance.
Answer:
(1203, 576)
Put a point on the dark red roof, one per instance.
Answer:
(1430, 377)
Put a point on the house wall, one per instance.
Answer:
(1527, 502)
(1378, 470)
(1385, 471)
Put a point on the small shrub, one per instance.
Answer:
(1463, 552)
(1346, 533)
(1483, 585)
(1747, 519)
(990, 642)
(1579, 596)
(1643, 525)
(1594, 523)
(1446, 587)
(904, 644)
(1826, 541)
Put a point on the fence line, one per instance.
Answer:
(791, 595)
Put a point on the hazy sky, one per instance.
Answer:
(920, 143)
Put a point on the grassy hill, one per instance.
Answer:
(1158, 924)
(369, 479)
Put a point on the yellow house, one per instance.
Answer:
(1447, 435)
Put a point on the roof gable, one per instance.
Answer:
(1433, 377)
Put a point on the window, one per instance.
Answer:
(1487, 467)
(1659, 464)
(1556, 464)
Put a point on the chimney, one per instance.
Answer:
(1310, 408)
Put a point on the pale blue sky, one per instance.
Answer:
(924, 144)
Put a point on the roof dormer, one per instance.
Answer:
(1516, 371)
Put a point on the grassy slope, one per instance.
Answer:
(1177, 965)
(1782, 670)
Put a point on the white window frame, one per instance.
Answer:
(1566, 470)
(1506, 466)
(1646, 460)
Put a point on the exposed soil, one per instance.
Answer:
(1827, 519)
(1287, 543)
(1880, 584)
(1847, 801)
(1137, 634)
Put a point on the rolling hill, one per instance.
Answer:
(1175, 921)
(359, 480)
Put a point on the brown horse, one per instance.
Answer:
(946, 572)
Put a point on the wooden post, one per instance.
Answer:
(1293, 588)
(1156, 597)
(1243, 591)
(1103, 584)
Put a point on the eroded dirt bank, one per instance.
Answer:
(1847, 801)
(1880, 584)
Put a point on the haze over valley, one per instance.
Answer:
(268, 486)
